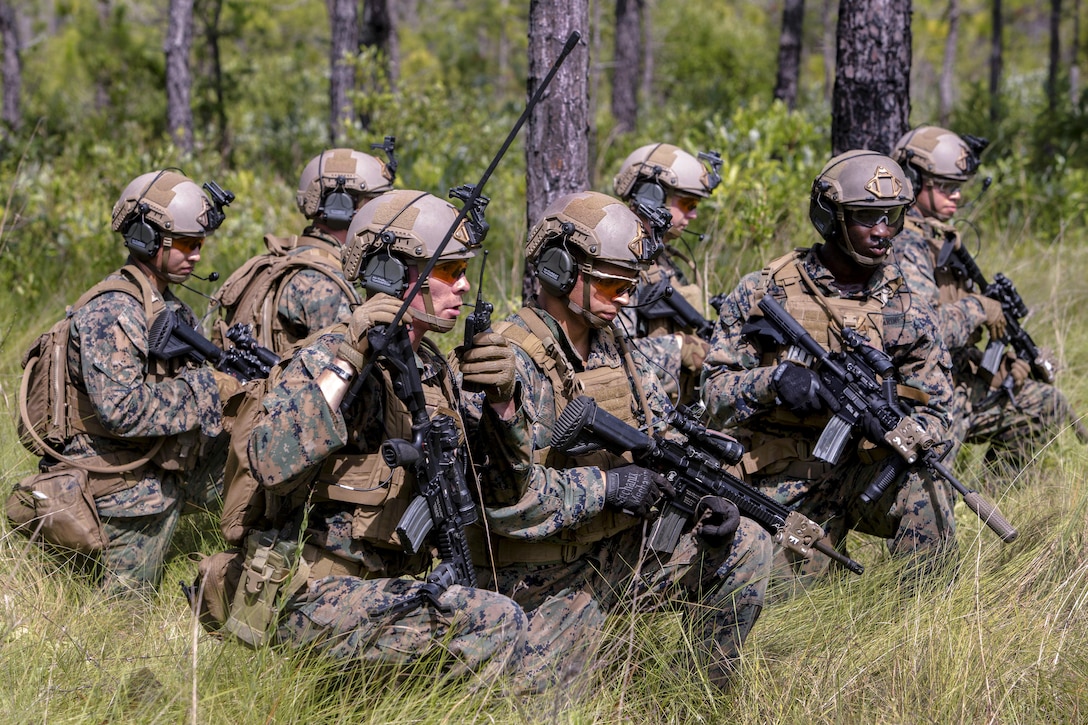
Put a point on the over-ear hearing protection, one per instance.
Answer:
(555, 267)
(382, 272)
(142, 240)
(650, 193)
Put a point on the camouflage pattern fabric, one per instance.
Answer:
(738, 392)
(108, 356)
(1011, 432)
(342, 615)
(309, 301)
(656, 340)
(720, 590)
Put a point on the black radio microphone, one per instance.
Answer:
(212, 276)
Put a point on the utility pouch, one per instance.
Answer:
(57, 506)
(268, 565)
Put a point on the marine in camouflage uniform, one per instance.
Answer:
(141, 404)
(859, 196)
(560, 543)
(312, 292)
(1011, 426)
(663, 179)
(363, 598)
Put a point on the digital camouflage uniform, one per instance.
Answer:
(302, 453)
(737, 389)
(657, 339)
(567, 559)
(310, 301)
(979, 413)
(138, 401)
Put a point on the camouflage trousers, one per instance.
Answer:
(352, 619)
(1013, 431)
(915, 514)
(719, 590)
(139, 522)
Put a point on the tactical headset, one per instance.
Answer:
(556, 268)
(381, 270)
(141, 238)
(337, 206)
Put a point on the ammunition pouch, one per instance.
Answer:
(57, 506)
(264, 585)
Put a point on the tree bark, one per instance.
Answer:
(11, 114)
(1074, 59)
(557, 140)
(871, 102)
(946, 85)
(625, 70)
(179, 79)
(379, 30)
(829, 18)
(1055, 54)
(647, 54)
(343, 42)
(101, 80)
(789, 52)
(996, 61)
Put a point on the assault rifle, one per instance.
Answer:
(664, 302)
(695, 468)
(169, 338)
(443, 505)
(862, 379)
(963, 265)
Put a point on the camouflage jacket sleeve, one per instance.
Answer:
(523, 499)
(109, 340)
(957, 320)
(298, 429)
(735, 384)
(310, 301)
(662, 355)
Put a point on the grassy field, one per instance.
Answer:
(1001, 639)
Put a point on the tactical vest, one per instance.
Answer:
(381, 494)
(611, 388)
(937, 236)
(54, 405)
(253, 293)
(822, 317)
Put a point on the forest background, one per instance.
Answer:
(1002, 641)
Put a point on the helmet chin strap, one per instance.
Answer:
(583, 310)
(435, 323)
(844, 244)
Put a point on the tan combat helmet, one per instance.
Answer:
(936, 152)
(578, 232)
(858, 179)
(337, 181)
(400, 229)
(669, 167)
(159, 206)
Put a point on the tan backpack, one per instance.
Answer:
(252, 294)
(51, 410)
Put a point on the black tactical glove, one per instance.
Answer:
(800, 390)
(716, 520)
(635, 489)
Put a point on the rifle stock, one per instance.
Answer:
(696, 469)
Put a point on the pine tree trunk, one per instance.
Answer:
(557, 138)
(344, 40)
(948, 67)
(1055, 54)
(179, 79)
(871, 103)
(625, 71)
(789, 52)
(996, 61)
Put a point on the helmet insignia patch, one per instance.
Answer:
(884, 184)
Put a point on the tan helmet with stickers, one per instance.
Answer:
(336, 181)
(857, 179)
(400, 229)
(937, 152)
(671, 169)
